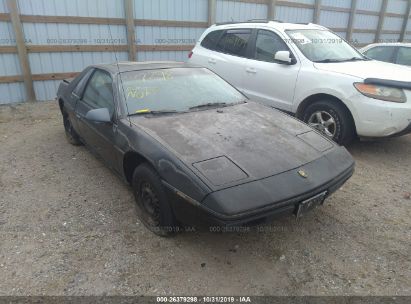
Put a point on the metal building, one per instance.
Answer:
(44, 41)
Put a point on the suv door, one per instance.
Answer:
(100, 137)
(227, 56)
(266, 79)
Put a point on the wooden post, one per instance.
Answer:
(381, 20)
(271, 9)
(351, 20)
(131, 35)
(405, 22)
(21, 49)
(212, 7)
(317, 11)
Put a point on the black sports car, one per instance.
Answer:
(194, 149)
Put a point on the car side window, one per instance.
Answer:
(82, 82)
(404, 56)
(210, 41)
(267, 45)
(234, 42)
(99, 92)
(382, 53)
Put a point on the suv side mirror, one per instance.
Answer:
(284, 57)
(99, 115)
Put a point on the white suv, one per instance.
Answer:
(308, 70)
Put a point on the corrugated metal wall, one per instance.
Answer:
(196, 11)
(174, 10)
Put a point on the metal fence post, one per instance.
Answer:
(317, 11)
(406, 20)
(381, 20)
(131, 35)
(351, 20)
(212, 7)
(271, 9)
(21, 49)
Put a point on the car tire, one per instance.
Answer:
(71, 135)
(332, 119)
(152, 205)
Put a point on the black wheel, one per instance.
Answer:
(71, 135)
(152, 205)
(332, 119)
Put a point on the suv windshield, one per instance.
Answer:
(176, 90)
(323, 46)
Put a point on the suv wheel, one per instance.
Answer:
(332, 119)
(152, 205)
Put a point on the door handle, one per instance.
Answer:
(212, 61)
(251, 70)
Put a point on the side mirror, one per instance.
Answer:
(99, 115)
(284, 57)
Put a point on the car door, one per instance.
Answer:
(228, 57)
(267, 80)
(74, 97)
(100, 137)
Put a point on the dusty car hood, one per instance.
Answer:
(243, 143)
(368, 69)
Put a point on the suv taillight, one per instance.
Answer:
(190, 54)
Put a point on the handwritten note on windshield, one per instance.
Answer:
(141, 92)
(145, 84)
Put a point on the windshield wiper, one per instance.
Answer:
(209, 105)
(328, 60)
(353, 59)
(154, 112)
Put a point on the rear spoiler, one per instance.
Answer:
(389, 83)
(68, 80)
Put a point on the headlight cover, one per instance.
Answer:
(381, 92)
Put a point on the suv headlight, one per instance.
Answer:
(381, 92)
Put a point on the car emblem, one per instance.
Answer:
(303, 173)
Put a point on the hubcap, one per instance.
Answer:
(150, 203)
(323, 122)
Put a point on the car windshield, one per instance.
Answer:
(176, 90)
(323, 46)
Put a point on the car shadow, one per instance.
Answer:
(373, 151)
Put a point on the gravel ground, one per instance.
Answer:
(68, 227)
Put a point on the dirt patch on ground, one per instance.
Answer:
(68, 227)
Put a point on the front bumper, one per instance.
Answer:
(262, 200)
(406, 131)
(376, 118)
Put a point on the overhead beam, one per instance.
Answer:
(405, 22)
(21, 49)
(164, 48)
(212, 10)
(351, 20)
(317, 11)
(294, 4)
(8, 49)
(38, 77)
(381, 20)
(131, 34)
(71, 19)
(97, 48)
(76, 48)
(174, 23)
